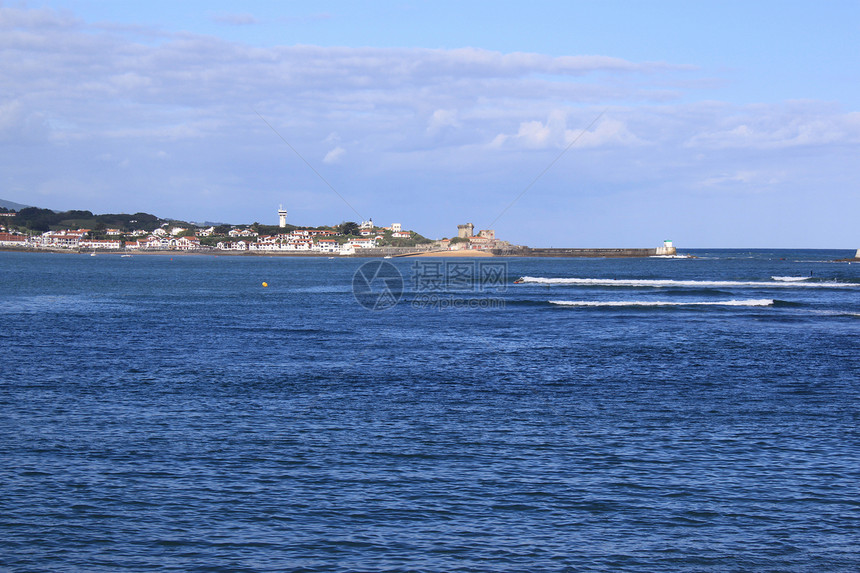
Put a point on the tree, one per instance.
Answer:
(349, 228)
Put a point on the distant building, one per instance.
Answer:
(154, 242)
(465, 231)
(282, 217)
(396, 227)
(10, 239)
(367, 224)
(362, 243)
(232, 246)
(480, 243)
(327, 246)
(184, 244)
(487, 234)
(668, 249)
(99, 244)
(67, 239)
(242, 233)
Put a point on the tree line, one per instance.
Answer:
(37, 219)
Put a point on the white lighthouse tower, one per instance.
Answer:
(282, 217)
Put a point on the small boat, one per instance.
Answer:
(92, 254)
(124, 256)
(387, 257)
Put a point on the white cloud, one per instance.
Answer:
(554, 133)
(441, 119)
(334, 155)
(780, 127)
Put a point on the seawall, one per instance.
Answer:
(586, 253)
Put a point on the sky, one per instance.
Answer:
(569, 124)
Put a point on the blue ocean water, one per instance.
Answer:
(172, 413)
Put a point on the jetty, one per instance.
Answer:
(856, 258)
(667, 250)
(588, 253)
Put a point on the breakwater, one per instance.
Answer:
(585, 253)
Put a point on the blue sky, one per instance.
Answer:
(715, 124)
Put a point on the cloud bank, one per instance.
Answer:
(177, 115)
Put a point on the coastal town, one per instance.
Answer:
(346, 239)
(36, 229)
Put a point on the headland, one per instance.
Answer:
(43, 230)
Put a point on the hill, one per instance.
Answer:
(12, 205)
(37, 219)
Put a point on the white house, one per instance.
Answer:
(184, 244)
(94, 244)
(155, 243)
(235, 246)
(362, 243)
(327, 246)
(66, 239)
(264, 246)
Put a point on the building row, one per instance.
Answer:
(307, 240)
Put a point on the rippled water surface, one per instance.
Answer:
(599, 415)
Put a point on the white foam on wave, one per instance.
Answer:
(790, 279)
(754, 302)
(661, 283)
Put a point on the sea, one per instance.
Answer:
(173, 413)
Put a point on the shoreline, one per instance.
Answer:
(517, 253)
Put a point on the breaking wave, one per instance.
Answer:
(754, 302)
(660, 283)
